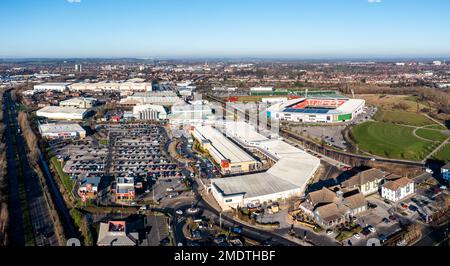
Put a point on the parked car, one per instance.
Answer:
(357, 236)
(382, 238)
(371, 229)
(413, 208)
(371, 205)
(329, 232)
(385, 220)
(392, 217)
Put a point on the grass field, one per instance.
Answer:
(436, 126)
(444, 154)
(402, 117)
(434, 135)
(391, 141)
(68, 183)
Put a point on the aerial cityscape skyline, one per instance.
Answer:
(262, 126)
(268, 29)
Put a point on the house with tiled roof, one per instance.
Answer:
(329, 208)
(368, 181)
(398, 189)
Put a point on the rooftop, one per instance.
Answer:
(63, 109)
(60, 128)
(223, 145)
(396, 184)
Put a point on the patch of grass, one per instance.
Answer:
(436, 127)
(65, 178)
(402, 117)
(434, 135)
(443, 154)
(391, 141)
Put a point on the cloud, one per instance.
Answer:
(374, 1)
(74, 1)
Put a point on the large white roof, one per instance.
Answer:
(293, 169)
(60, 128)
(62, 110)
(350, 106)
(223, 145)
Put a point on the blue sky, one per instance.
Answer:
(208, 28)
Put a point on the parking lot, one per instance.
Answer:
(332, 134)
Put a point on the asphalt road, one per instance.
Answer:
(15, 209)
(39, 213)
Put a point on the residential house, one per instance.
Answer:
(398, 189)
(116, 233)
(445, 171)
(367, 182)
(329, 208)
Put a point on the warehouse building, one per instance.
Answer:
(165, 98)
(62, 131)
(147, 112)
(60, 87)
(79, 102)
(288, 177)
(112, 86)
(317, 110)
(62, 113)
(231, 158)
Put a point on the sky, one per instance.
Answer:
(224, 28)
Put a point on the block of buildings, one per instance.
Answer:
(79, 102)
(368, 182)
(62, 131)
(147, 112)
(328, 208)
(398, 189)
(291, 171)
(62, 113)
(229, 156)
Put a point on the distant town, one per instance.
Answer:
(159, 152)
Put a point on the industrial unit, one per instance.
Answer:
(62, 131)
(321, 110)
(288, 177)
(149, 112)
(165, 98)
(112, 86)
(79, 102)
(62, 113)
(230, 157)
(51, 87)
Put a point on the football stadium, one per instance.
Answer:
(317, 110)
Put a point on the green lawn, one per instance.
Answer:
(402, 117)
(444, 154)
(434, 135)
(436, 126)
(391, 141)
(65, 178)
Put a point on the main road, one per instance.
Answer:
(37, 208)
(43, 227)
